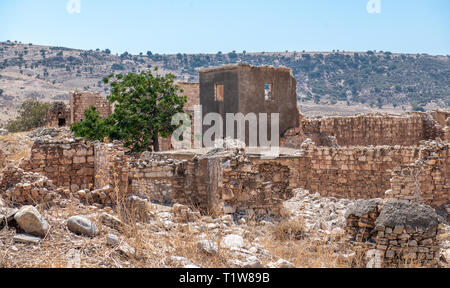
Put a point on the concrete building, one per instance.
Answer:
(242, 88)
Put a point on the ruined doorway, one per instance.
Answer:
(61, 120)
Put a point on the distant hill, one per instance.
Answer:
(375, 79)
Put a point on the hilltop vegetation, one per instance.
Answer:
(29, 71)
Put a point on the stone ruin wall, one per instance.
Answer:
(82, 101)
(425, 180)
(53, 114)
(2, 159)
(68, 163)
(111, 170)
(399, 234)
(239, 182)
(365, 130)
(172, 181)
(192, 93)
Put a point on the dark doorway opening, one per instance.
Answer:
(61, 120)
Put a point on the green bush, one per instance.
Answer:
(32, 115)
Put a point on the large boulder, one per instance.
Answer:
(31, 221)
(412, 215)
(81, 225)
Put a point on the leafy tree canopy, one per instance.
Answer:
(144, 107)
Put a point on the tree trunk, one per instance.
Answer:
(155, 143)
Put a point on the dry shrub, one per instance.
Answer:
(289, 230)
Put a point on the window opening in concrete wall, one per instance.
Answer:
(268, 95)
(218, 93)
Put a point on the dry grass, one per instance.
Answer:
(289, 230)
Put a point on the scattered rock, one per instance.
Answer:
(112, 240)
(26, 239)
(374, 259)
(127, 250)
(283, 264)
(3, 132)
(82, 225)
(229, 209)
(111, 221)
(232, 241)
(253, 262)
(31, 221)
(183, 262)
(208, 247)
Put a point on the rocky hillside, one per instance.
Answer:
(375, 79)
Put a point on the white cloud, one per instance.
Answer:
(374, 7)
(74, 6)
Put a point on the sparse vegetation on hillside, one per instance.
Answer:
(372, 78)
(32, 114)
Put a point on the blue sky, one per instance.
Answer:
(209, 26)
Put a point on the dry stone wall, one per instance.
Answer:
(404, 234)
(369, 129)
(350, 172)
(68, 163)
(82, 101)
(2, 159)
(26, 188)
(111, 167)
(173, 181)
(425, 180)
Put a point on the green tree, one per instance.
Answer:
(93, 127)
(32, 114)
(144, 107)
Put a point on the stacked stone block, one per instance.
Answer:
(111, 170)
(404, 233)
(2, 159)
(26, 188)
(365, 130)
(68, 163)
(425, 180)
(82, 101)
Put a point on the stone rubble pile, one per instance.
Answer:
(26, 187)
(49, 133)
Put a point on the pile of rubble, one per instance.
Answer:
(22, 187)
(50, 133)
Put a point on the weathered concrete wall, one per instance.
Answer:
(244, 92)
(284, 94)
(68, 163)
(82, 101)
